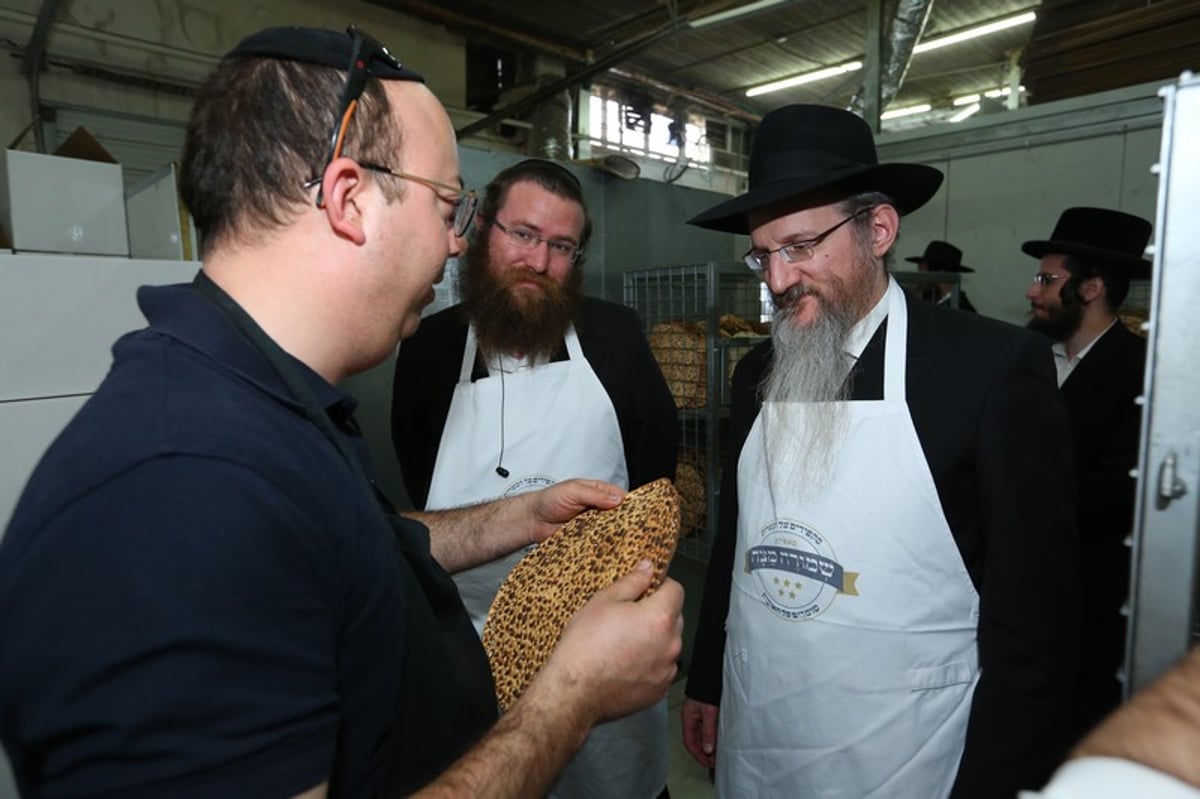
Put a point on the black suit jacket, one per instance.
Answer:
(984, 402)
(1105, 420)
(1100, 394)
(964, 302)
(612, 340)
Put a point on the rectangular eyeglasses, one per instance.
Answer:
(797, 251)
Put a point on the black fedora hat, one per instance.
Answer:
(822, 153)
(941, 257)
(1113, 237)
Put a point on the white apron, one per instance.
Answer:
(558, 423)
(850, 659)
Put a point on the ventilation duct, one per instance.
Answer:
(906, 30)
(550, 136)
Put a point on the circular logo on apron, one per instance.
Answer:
(797, 571)
(530, 483)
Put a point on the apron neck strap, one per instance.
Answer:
(574, 350)
(471, 348)
(896, 344)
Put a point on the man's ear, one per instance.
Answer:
(343, 186)
(1090, 289)
(885, 226)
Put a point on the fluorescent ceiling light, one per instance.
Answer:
(734, 13)
(976, 32)
(807, 77)
(971, 99)
(851, 66)
(969, 111)
(1004, 92)
(907, 111)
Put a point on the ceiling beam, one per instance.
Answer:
(699, 97)
(455, 20)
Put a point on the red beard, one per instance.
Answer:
(515, 319)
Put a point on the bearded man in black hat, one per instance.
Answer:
(890, 607)
(1083, 276)
(942, 256)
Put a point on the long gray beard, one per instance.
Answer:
(809, 368)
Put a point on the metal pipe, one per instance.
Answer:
(719, 104)
(31, 68)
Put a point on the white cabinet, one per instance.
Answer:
(59, 317)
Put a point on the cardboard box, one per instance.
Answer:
(69, 202)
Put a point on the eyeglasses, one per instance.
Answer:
(1044, 279)
(527, 240)
(464, 202)
(797, 251)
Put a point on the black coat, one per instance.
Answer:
(1105, 429)
(612, 340)
(993, 427)
(964, 302)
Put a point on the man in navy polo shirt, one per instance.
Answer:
(202, 591)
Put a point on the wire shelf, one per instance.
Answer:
(700, 320)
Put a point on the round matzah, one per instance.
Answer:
(693, 497)
(588, 553)
(680, 351)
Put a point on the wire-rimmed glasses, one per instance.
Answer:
(796, 251)
(527, 240)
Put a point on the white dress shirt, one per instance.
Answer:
(860, 335)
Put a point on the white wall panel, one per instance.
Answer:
(60, 314)
(999, 200)
(1008, 177)
(27, 429)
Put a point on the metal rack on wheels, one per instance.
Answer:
(700, 320)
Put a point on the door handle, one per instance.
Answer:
(1170, 486)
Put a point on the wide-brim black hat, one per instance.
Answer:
(941, 256)
(1114, 237)
(816, 152)
(317, 46)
